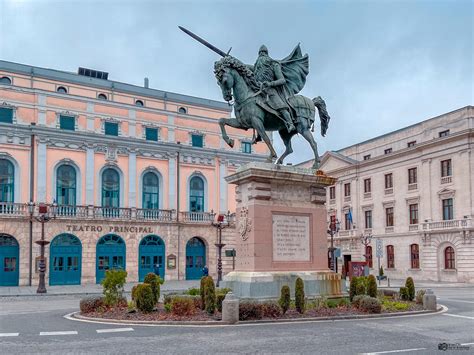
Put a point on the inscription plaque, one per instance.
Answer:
(290, 238)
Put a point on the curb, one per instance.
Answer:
(77, 317)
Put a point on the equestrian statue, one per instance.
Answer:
(265, 98)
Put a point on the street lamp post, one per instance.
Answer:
(223, 221)
(334, 227)
(43, 218)
(365, 240)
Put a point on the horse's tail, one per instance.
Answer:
(323, 114)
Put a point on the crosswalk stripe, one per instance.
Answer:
(114, 330)
(68, 332)
(9, 334)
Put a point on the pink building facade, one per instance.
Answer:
(137, 175)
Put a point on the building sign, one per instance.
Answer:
(171, 263)
(108, 229)
(290, 238)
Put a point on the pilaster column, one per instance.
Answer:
(172, 171)
(171, 126)
(41, 173)
(132, 124)
(90, 117)
(223, 206)
(132, 179)
(90, 176)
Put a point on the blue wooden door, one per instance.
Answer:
(65, 260)
(195, 258)
(9, 261)
(151, 252)
(110, 254)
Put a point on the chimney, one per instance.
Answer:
(146, 83)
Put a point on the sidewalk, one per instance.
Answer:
(397, 283)
(88, 289)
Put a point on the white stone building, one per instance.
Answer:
(413, 189)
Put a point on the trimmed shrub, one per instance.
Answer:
(404, 293)
(145, 299)
(343, 302)
(167, 307)
(357, 300)
(134, 292)
(193, 291)
(220, 295)
(169, 297)
(419, 296)
(112, 285)
(353, 288)
(395, 306)
(91, 304)
(332, 303)
(209, 295)
(381, 271)
(201, 291)
(182, 306)
(299, 296)
(361, 287)
(410, 285)
(250, 310)
(371, 305)
(285, 299)
(372, 286)
(154, 281)
(271, 309)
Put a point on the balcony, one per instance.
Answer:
(20, 210)
(332, 201)
(446, 179)
(413, 227)
(451, 224)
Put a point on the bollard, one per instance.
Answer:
(230, 309)
(429, 300)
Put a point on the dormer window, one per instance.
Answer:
(61, 89)
(102, 97)
(5, 80)
(139, 103)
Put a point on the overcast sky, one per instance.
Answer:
(380, 65)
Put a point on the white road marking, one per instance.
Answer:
(114, 330)
(68, 332)
(451, 300)
(457, 315)
(467, 344)
(395, 351)
(9, 334)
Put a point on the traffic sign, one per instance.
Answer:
(379, 248)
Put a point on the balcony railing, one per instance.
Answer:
(389, 191)
(451, 224)
(446, 179)
(9, 210)
(367, 194)
(413, 227)
(412, 187)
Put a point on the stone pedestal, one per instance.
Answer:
(282, 232)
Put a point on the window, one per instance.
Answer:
(150, 199)
(151, 134)
(413, 210)
(66, 185)
(6, 115)
(139, 103)
(347, 189)
(246, 147)
(444, 133)
(448, 209)
(368, 219)
(388, 150)
(67, 122)
(61, 89)
(388, 181)
(197, 140)
(390, 257)
(368, 255)
(182, 110)
(332, 192)
(412, 176)
(111, 128)
(367, 157)
(449, 258)
(196, 194)
(415, 256)
(102, 97)
(446, 168)
(367, 185)
(347, 221)
(389, 217)
(411, 144)
(110, 188)
(7, 181)
(5, 80)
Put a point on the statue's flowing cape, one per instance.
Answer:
(295, 68)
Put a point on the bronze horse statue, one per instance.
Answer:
(238, 83)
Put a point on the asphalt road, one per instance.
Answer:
(36, 325)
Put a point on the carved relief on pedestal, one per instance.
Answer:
(245, 223)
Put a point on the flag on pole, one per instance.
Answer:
(350, 217)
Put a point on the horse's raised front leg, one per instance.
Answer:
(233, 122)
(258, 125)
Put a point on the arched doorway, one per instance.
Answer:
(151, 252)
(65, 260)
(195, 258)
(9, 260)
(110, 254)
